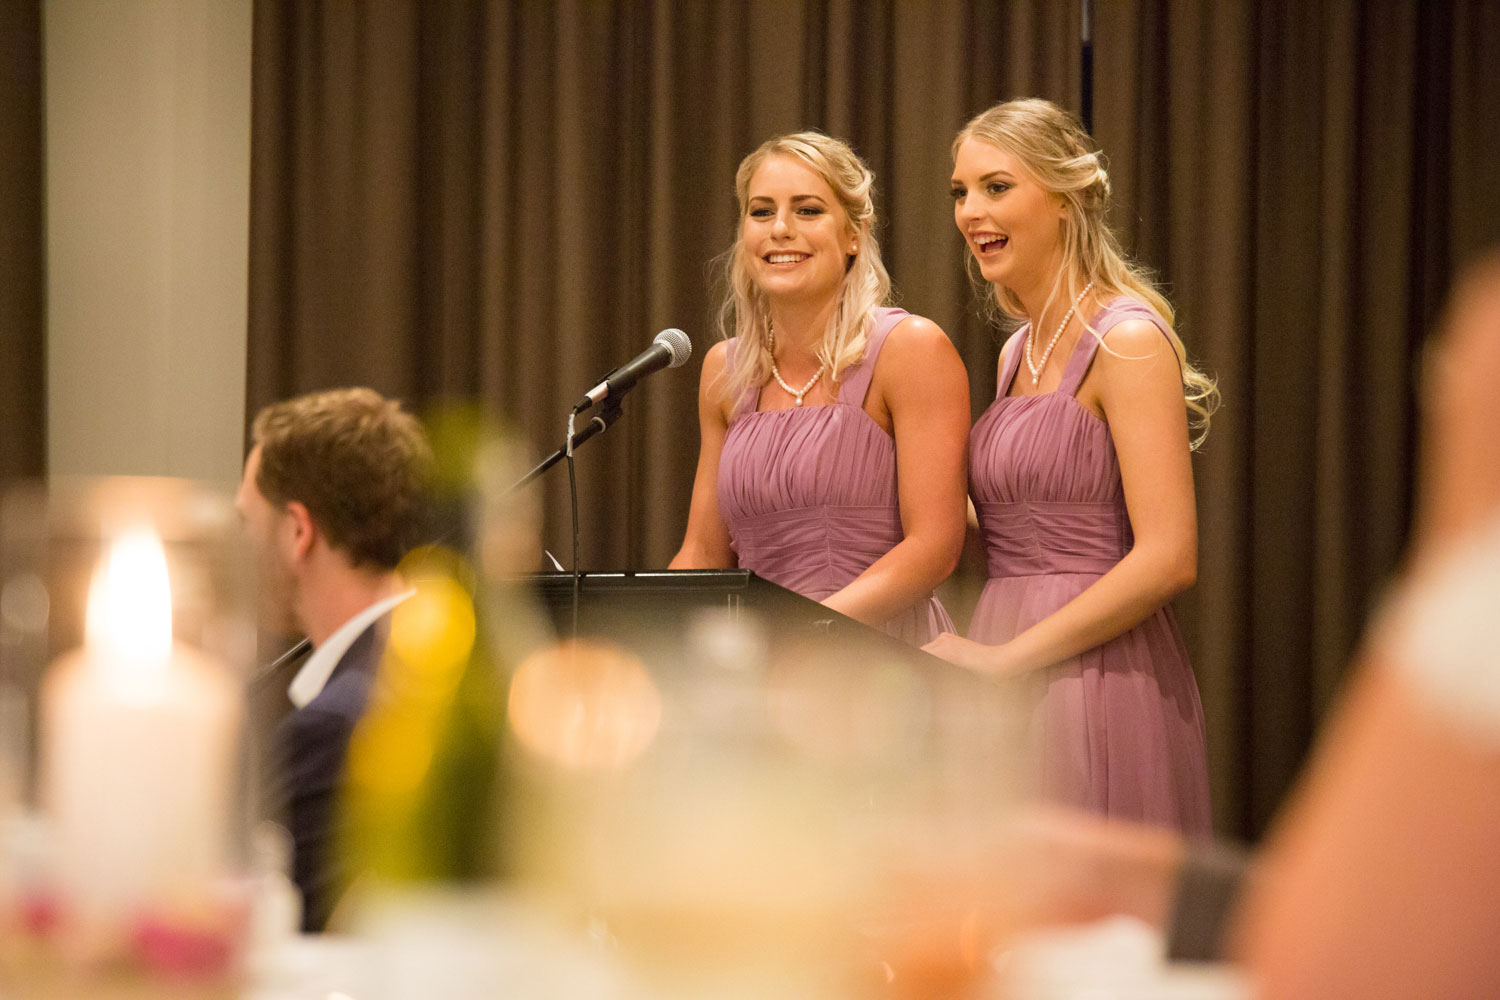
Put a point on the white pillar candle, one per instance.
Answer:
(139, 736)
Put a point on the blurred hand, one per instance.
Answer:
(1461, 410)
(966, 653)
(1069, 866)
(949, 912)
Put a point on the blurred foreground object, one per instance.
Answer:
(427, 802)
(691, 798)
(423, 784)
(128, 625)
(738, 806)
(1383, 879)
(425, 796)
(1118, 958)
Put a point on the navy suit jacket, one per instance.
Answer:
(311, 747)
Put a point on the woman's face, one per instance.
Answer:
(1011, 224)
(795, 235)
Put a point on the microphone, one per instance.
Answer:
(670, 349)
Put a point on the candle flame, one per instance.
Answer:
(129, 619)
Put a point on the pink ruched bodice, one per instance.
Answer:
(809, 493)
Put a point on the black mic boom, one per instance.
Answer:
(670, 349)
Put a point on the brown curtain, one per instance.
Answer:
(501, 201)
(23, 375)
(1305, 176)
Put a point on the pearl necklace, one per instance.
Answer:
(1036, 369)
(796, 394)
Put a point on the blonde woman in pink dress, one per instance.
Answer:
(1081, 479)
(833, 427)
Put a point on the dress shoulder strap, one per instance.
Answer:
(1015, 345)
(1117, 311)
(857, 377)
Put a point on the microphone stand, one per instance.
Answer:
(608, 413)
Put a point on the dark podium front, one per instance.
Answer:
(650, 612)
(846, 683)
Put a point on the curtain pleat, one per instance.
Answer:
(23, 321)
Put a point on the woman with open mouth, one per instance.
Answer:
(833, 427)
(1081, 478)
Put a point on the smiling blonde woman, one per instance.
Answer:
(833, 427)
(1081, 478)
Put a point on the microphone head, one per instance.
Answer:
(677, 344)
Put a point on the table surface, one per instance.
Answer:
(1115, 959)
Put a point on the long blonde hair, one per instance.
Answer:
(745, 313)
(1053, 146)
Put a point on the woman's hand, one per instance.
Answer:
(1460, 481)
(982, 659)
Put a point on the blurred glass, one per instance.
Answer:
(428, 789)
(706, 805)
(126, 633)
(1117, 958)
(761, 815)
(426, 786)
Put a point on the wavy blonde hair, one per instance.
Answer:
(1054, 148)
(745, 312)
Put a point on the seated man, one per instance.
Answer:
(335, 493)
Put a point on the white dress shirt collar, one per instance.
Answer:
(308, 683)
